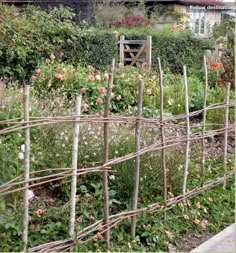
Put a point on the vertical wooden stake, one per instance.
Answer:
(163, 155)
(106, 155)
(188, 130)
(149, 52)
(137, 159)
(116, 37)
(122, 47)
(2, 86)
(77, 113)
(204, 119)
(226, 123)
(26, 168)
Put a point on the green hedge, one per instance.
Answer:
(174, 49)
(96, 48)
(32, 36)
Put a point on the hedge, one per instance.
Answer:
(26, 41)
(174, 49)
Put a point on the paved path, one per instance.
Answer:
(222, 242)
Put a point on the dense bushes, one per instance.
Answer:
(26, 40)
(174, 48)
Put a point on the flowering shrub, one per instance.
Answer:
(54, 76)
(131, 21)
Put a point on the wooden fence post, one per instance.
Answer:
(163, 155)
(2, 86)
(26, 168)
(137, 158)
(204, 119)
(188, 130)
(106, 155)
(116, 37)
(226, 124)
(122, 47)
(149, 52)
(74, 167)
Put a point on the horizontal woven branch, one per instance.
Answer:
(63, 245)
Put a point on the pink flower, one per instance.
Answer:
(33, 78)
(196, 221)
(38, 70)
(121, 65)
(63, 77)
(99, 235)
(52, 56)
(91, 69)
(106, 76)
(79, 219)
(149, 91)
(91, 78)
(99, 100)
(92, 218)
(97, 71)
(98, 77)
(95, 238)
(61, 54)
(58, 76)
(144, 64)
(101, 89)
(186, 217)
(84, 106)
(83, 90)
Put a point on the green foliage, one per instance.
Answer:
(174, 48)
(26, 41)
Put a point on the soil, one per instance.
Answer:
(193, 240)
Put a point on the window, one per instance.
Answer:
(198, 22)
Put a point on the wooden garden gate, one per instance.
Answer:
(131, 54)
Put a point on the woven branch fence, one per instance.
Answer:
(33, 179)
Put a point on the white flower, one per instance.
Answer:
(112, 177)
(22, 147)
(30, 195)
(21, 155)
(170, 101)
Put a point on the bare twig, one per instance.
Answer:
(26, 169)
(226, 122)
(204, 119)
(137, 159)
(163, 157)
(106, 154)
(188, 130)
(74, 167)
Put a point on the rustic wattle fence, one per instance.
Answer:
(33, 179)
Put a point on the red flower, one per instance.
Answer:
(30, 31)
(174, 78)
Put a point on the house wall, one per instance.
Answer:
(212, 17)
